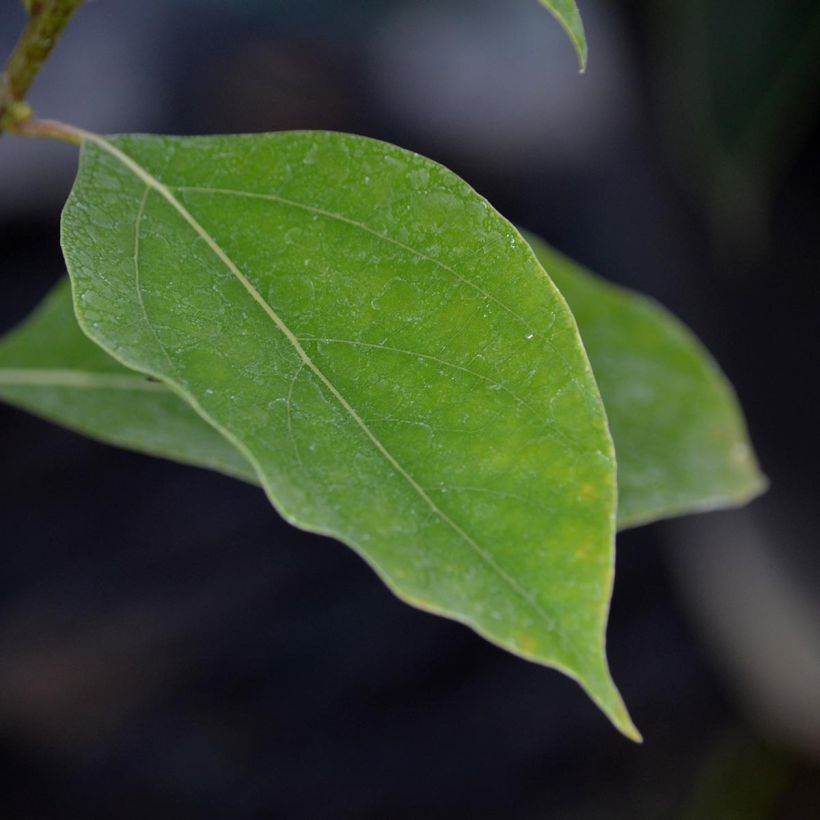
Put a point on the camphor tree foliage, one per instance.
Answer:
(355, 329)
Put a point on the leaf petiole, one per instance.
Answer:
(50, 129)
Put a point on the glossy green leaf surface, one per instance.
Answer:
(51, 368)
(679, 433)
(387, 352)
(567, 14)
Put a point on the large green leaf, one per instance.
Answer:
(387, 352)
(567, 14)
(49, 367)
(679, 433)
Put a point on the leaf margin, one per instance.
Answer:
(614, 707)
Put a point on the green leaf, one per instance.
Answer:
(50, 368)
(679, 432)
(387, 352)
(567, 14)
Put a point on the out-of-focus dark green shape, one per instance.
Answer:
(743, 779)
(739, 94)
(680, 437)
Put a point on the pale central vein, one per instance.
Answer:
(206, 237)
(36, 377)
(354, 223)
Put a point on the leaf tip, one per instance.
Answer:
(618, 715)
(567, 14)
(628, 729)
(600, 687)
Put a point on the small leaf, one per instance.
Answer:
(567, 14)
(50, 368)
(387, 352)
(679, 433)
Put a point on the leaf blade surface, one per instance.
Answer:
(386, 351)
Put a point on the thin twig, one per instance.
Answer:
(46, 21)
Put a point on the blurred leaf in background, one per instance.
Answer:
(739, 93)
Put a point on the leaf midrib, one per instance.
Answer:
(75, 379)
(355, 223)
(164, 191)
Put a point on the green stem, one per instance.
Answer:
(46, 21)
(49, 129)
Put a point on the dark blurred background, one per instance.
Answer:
(170, 648)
